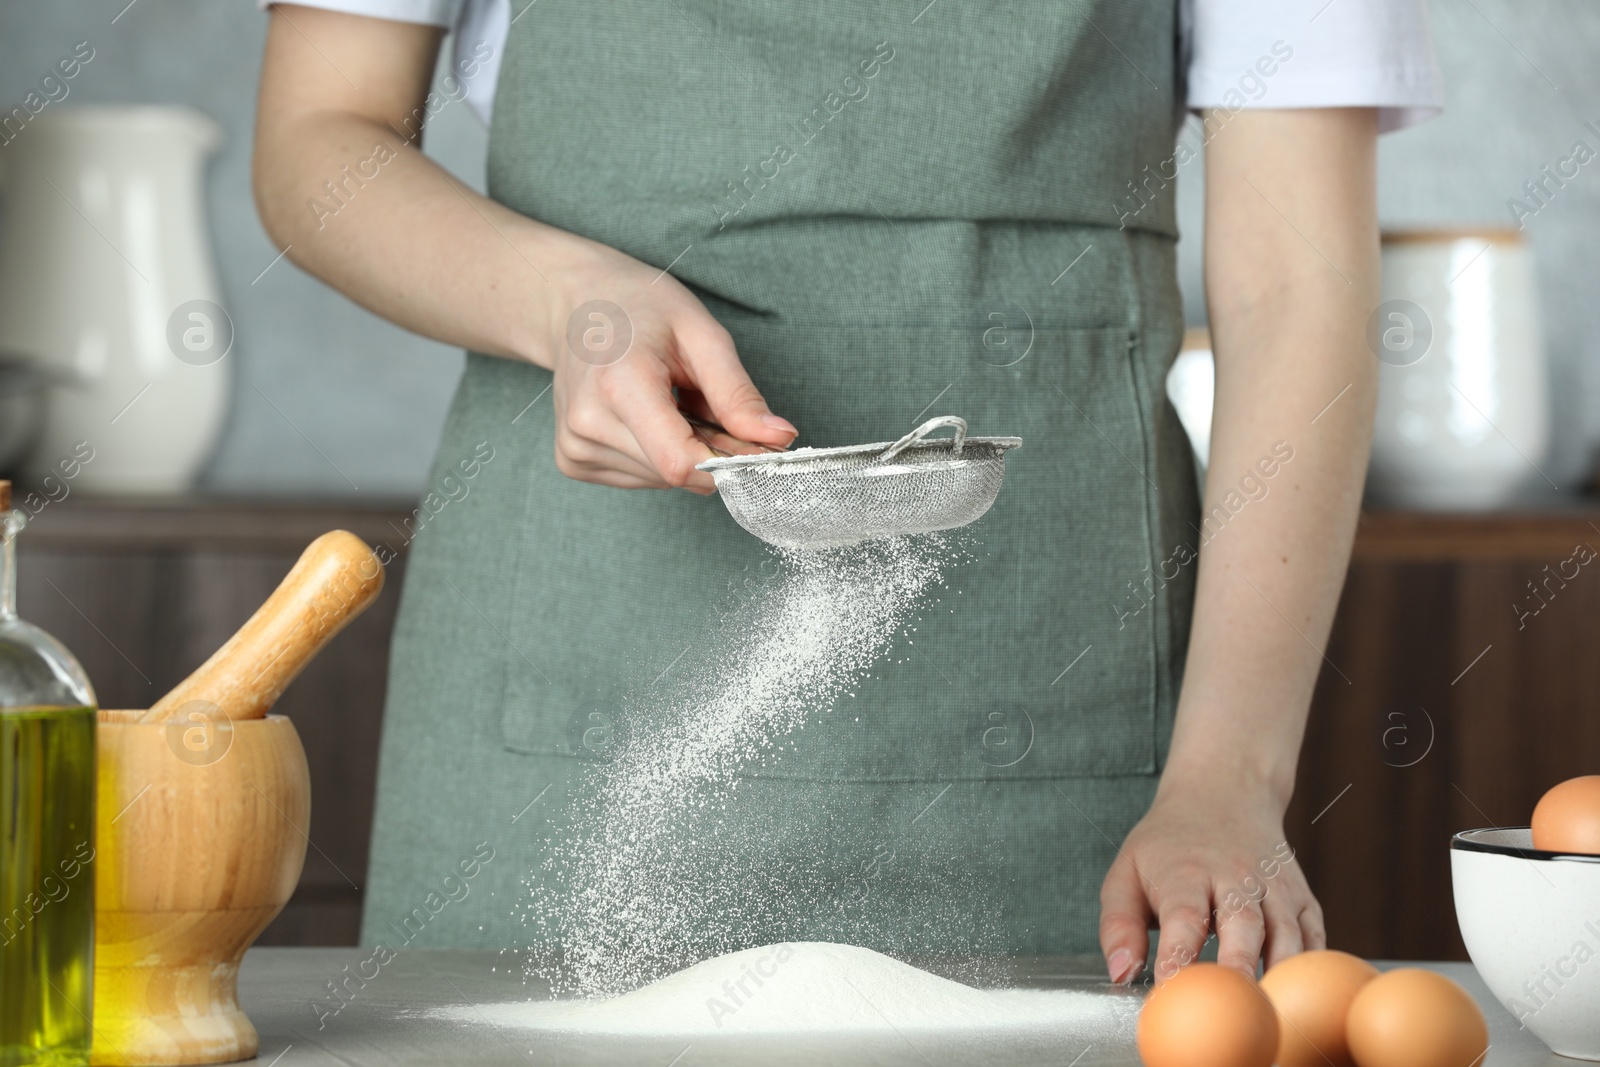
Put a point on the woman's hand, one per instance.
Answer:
(633, 351)
(1207, 858)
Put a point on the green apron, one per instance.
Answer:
(896, 215)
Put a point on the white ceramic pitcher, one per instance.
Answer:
(106, 279)
(1463, 418)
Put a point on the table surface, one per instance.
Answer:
(387, 1022)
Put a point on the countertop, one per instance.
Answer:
(387, 1022)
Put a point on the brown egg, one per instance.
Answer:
(1568, 817)
(1415, 1018)
(1312, 993)
(1207, 1016)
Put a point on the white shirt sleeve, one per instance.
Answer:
(1314, 53)
(478, 36)
(426, 12)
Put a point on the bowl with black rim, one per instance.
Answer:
(1531, 922)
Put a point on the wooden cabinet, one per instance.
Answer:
(1455, 694)
(1463, 681)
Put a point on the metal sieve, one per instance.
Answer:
(814, 497)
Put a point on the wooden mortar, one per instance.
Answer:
(202, 822)
(192, 860)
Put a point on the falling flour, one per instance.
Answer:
(650, 875)
(818, 988)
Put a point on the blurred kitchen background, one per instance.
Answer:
(1448, 705)
(333, 401)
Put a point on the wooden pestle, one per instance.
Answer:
(333, 581)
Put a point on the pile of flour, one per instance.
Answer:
(631, 893)
(818, 988)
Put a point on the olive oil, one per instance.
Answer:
(47, 799)
(47, 774)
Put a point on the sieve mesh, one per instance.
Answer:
(814, 497)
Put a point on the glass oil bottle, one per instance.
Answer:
(47, 781)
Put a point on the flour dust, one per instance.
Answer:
(659, 867)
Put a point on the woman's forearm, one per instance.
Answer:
(342, 188)
(1291, 275)
(341, 184)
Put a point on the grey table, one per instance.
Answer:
(387, 1022)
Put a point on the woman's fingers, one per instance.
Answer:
(620, 421)
(609, 476)
(714, 371)
(623, 417)
(1124, 921)
(1313, 934)
(693, 402)
(1241, 931)
(1185, 918)
(1280, 911)
(586, 460)
(629, 410)
(589, 438)
(645, 405)
(1293, 916)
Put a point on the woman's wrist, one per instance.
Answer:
(1253, 776)
(571, 271)
(536, 319)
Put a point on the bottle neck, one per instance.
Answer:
(9, 526)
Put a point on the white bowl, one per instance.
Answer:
(1531, 921)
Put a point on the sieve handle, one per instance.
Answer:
(924, 430)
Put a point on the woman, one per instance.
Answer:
(840, 219)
